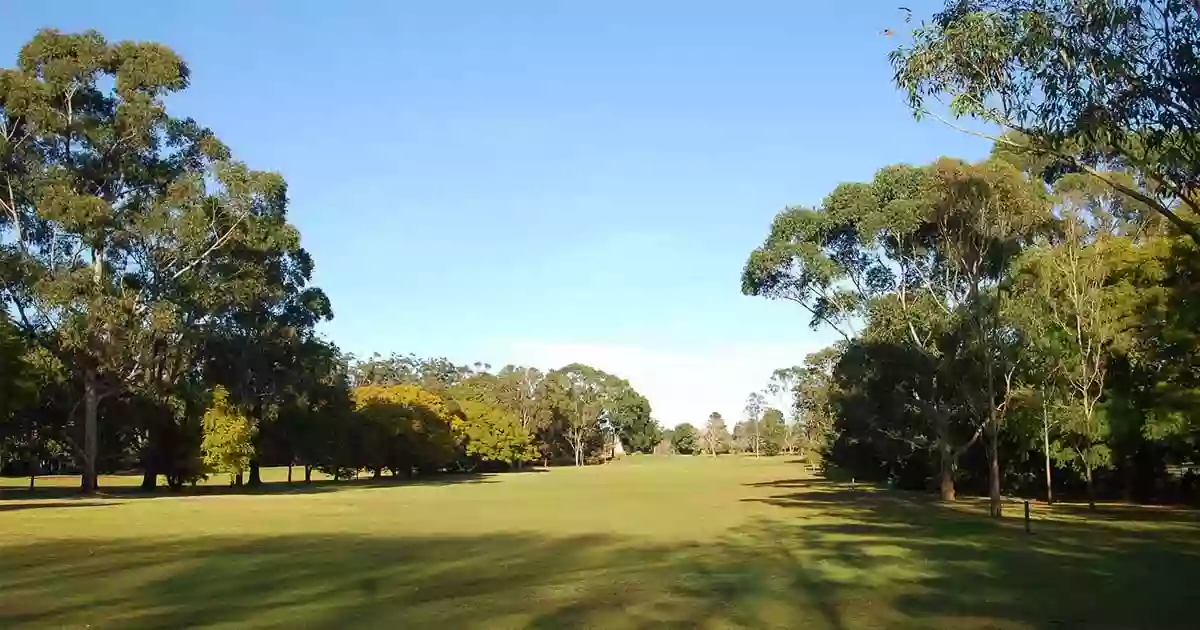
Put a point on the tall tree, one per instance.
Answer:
(113, 212)
(716, 435)
(520, 391)
(755, 404)
(631, 420)
(584, 393)
(1087, 307)
(773, 431)
(918, 255)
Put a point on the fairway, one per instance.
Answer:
(647, 542)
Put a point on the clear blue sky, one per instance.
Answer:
(541, 182)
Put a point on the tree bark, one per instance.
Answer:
(239, 480)
(1129, 478)
(91, 445)
(1046, 446)
(996, 504)
(32, 462)
(946, 475)
(149, 467)
(290, 464)
(255, 474)
(307, 473)
(1091, 489)
(149, 478)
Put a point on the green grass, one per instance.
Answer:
(269, 475)
(644, 543)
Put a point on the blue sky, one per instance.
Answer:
(544, 182)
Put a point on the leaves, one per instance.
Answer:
(228, 441)
(1098, 85)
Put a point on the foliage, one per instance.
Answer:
(1087, 84)
(404, 429)
(228, 441)
(125, 231)
(914, 258)
(715, 438)
(773, 430)
(495, 435)
(685, 438)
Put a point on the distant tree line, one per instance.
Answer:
(156, 311)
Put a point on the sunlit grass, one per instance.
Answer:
(269, 475)
(648, 542)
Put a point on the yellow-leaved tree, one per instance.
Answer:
(496, 435)
(408, 429)
(228, 443)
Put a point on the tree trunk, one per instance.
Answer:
(1130, 480)
(1046, 447)
(32, 462)
(307, 473)
(1091, 489)
(946, 475)
(255, 474)
(91, 445)
(996, 504)
(239, 480)
(149, 478)
(290, 464)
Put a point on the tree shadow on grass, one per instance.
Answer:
(1124, 512)
(842, 558)
(272, 487)
(35, 505)
(1128, 569)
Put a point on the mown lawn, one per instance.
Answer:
(648, 542)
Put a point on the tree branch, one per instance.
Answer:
(1179, 222)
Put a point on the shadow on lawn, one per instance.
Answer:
(831, 556)
(271, 487)
(41, 505)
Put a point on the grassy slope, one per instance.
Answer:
(687, 542)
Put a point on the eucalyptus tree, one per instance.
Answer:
(715, 437)
(582, 398)
(756, 403)
(917, 255)
(1089, 85)
(1084, 305)
(116, 218)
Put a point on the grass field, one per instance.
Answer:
(647, 542)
